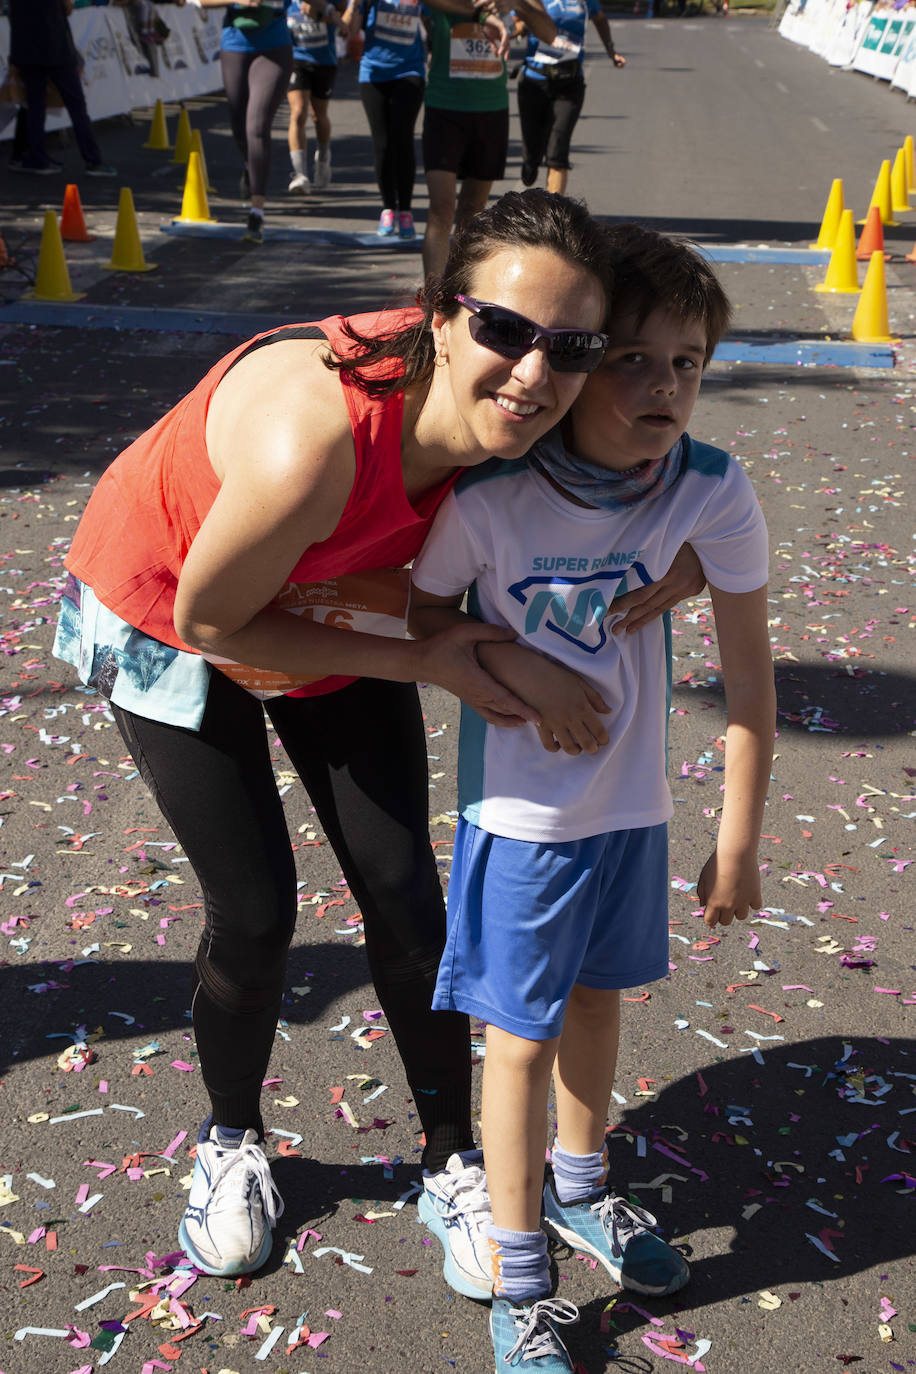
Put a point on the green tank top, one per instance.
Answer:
(464, 71)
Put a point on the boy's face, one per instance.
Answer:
(639, 401)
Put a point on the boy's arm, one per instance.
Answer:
(729, 885)
(563, 707)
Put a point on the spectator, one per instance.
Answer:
(42, 49)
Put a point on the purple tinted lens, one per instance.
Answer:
(511, 335)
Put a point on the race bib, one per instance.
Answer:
(397, 24)
(372, 602)
(306, 32)
(562, 49)
(471, 55)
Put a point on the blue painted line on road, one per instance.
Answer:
(58, 315)
(280, 233)
(327, 238)
(805, 353)
(739, 252)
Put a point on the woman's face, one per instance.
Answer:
(500, 407)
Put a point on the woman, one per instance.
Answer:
(307, 454)
(314, 26)
(551, 89)
(256, 57)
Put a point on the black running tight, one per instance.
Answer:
(361, 754)
(391, 109)
(255, 83)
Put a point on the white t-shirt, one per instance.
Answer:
(550, 570)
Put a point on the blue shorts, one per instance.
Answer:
(527, 921)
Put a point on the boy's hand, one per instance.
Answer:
(568, 708)
(684, 578)
(729, 889)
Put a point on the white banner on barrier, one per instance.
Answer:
(125, 70)
(848, 36)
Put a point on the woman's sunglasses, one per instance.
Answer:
(512, 336)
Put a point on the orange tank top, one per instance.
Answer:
(148, 506)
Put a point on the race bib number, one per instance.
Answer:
(371, 602)
(306, 32)
(397, 23)
(562, 49)
(471, 55)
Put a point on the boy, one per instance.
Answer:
(559, 881)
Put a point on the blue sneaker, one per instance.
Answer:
(618, 1234)
(386, 225)
(525, 1335)
(455, 1207)
(406, 230)
(232, 1207)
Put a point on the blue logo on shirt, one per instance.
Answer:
(573, 607)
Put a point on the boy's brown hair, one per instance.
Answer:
(654, 271)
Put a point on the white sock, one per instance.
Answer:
(297, 158)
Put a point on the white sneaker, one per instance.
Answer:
(321, 172)
(455, 1206)
(299, 185)
(232, 1207)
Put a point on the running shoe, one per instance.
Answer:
(618, 1235)
(254, 230)
(232, 1208)
(385, 228)
(321, 171)
(455, 1207)
(299, 185)
(529, 173)
(405, 225)
(525, 1335)
(100, 169)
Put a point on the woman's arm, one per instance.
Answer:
(729, 885)
(600, 22)
(278, 436)
(684, 578)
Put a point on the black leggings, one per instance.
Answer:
(548, 111)
(361, 753)
(392, 108)
(255, 83)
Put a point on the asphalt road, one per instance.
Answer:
(767, 1089)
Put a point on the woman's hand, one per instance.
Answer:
(683, 579)
(450, 659)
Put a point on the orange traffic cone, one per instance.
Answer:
(194, 206)
(881, 195)
(158, 130)
(127, 250)
(870, 324)
(5, 259)
(72, 224)
(900, 203)
(842, 277)
(182, 137)
(53, 280)
(871, 239)
(831, 221)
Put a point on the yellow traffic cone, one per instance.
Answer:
(53, 280)
(881, 196)
(831, 221)
(158, 131)
(197, 146)
(869, 324)
(194, 206)
(127, 250)
(909, 155)
(842, 277)
(182, 137)
(900, 204)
